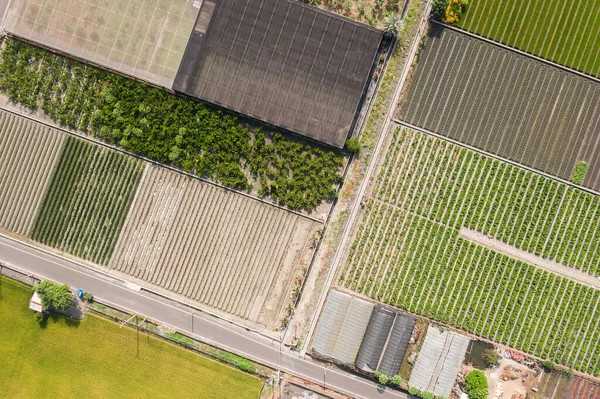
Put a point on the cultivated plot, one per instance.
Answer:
(145, 39)
(87, 200)
(506, 104)
(565, 32)
(409, 252)
(28, 154)
(219, 248)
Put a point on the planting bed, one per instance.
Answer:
(219, 248)
(170, 129)
(408, 251)
(557, 385)
(28, 153)
(145, 39)
(87, 200)
(507, 104)
(564, 32)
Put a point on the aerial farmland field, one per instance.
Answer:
(214, 246)
(506, 104)
(28, 154)
(87, 200)
(567, 33)
(145, 39)
(413, 249)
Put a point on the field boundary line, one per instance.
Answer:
(389, 118)
(489, 154)
(116, 280)
(140, 157)
(516, 50)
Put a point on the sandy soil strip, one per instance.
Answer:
(525, 256)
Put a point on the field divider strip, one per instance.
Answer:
(181, 172)
(516, 50)
(489, 154)
(529, 258)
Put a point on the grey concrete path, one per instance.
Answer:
(528, 257)
(4, 4)
(112, 291)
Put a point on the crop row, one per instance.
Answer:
(408, 252)
(519, 207)
(506, 104)
(169, 129)
(28, 153)
(221, 249)
(563, 32)
(87, 200)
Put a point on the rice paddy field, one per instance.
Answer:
(409, 252)
(506, 104)
(566, 32)
(94, 358)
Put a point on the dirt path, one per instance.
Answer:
(525, 256)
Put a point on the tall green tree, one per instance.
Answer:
(54, 296)
(477, 385)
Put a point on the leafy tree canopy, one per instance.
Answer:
(54, 296)
(477, 386)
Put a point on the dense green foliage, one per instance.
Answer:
(87, 200)
(556, 30)
(238, 361)
(579, 172)
(490, 357)
(169, 129)
(94, 358)
(54, 296)
(413, 249)
(353, 145)
(397, 380)
(477, 386)
(438, 8)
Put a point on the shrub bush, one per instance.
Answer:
(476, 384)
(579, 172)
(54, 296)
(548, 366)
(490, 357)
(397, 380)
(353, 145)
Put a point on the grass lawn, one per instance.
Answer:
(561, 31)
(96, 359)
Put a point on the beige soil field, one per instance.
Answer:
(213, 246)
(28, 153)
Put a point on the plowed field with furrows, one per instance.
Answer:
(87, 200)
(28, 153)
(505, 103)
(213, 246)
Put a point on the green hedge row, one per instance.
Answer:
(169, 129)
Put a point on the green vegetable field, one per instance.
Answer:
(565, 32)
(94, 358)
(87, 200)
(170, 129)
(409, 252)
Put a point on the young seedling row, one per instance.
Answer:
(87, 200)
(563, 32)
(408, 251)
(506, 104)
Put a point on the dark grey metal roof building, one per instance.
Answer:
(385, 342)
(282, 62)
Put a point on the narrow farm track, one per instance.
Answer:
(506, 104)
(224, 250)
(28, 155)
(409, 251)
(563, 32)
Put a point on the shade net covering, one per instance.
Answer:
(282, 62)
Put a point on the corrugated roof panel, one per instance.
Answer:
(353, 330)
(397, 344)
(439, 361)
(376, 336)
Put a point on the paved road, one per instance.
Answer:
(112, 291)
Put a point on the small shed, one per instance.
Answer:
(35, 303)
